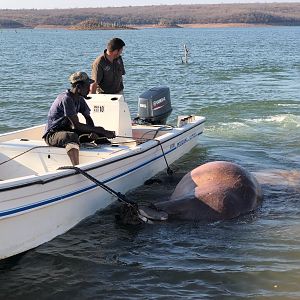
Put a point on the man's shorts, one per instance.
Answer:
(61, 138)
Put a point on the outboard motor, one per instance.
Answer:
(155, 106)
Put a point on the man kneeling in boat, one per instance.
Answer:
(63, 128)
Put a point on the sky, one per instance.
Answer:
(42, 4)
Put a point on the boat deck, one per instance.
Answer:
(23, 157)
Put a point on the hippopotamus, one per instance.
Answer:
(213, 191)
(218, 190)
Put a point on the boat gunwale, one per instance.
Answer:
(67, 173)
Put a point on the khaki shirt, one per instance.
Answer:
(108, 75)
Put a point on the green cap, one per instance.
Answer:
(80, 76)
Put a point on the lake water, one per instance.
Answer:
(246, 81)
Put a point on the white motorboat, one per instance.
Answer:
(38, 201)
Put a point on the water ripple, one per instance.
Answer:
(246, 82)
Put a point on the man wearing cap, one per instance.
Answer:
(63, 127)
(108, 69)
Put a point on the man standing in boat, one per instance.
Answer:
(108, 69)
(63, 128)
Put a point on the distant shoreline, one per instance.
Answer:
(224, 25)
(147, 26)
(212, 25)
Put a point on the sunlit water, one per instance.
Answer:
(246, 82)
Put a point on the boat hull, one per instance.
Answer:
(35, 209)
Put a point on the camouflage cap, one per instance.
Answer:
(80, 76)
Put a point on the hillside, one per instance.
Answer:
(258, 13)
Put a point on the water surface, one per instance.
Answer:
(246, 82)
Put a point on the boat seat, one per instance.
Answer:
(23, 143)
(22, 157)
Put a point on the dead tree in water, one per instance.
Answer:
(184, 59)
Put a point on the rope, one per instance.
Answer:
(12, 158)
(133, 206)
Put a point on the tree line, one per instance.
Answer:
(258, 13)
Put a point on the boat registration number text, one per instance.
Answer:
(183, 141)
(98, 108)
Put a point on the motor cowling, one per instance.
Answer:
(154, 106)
